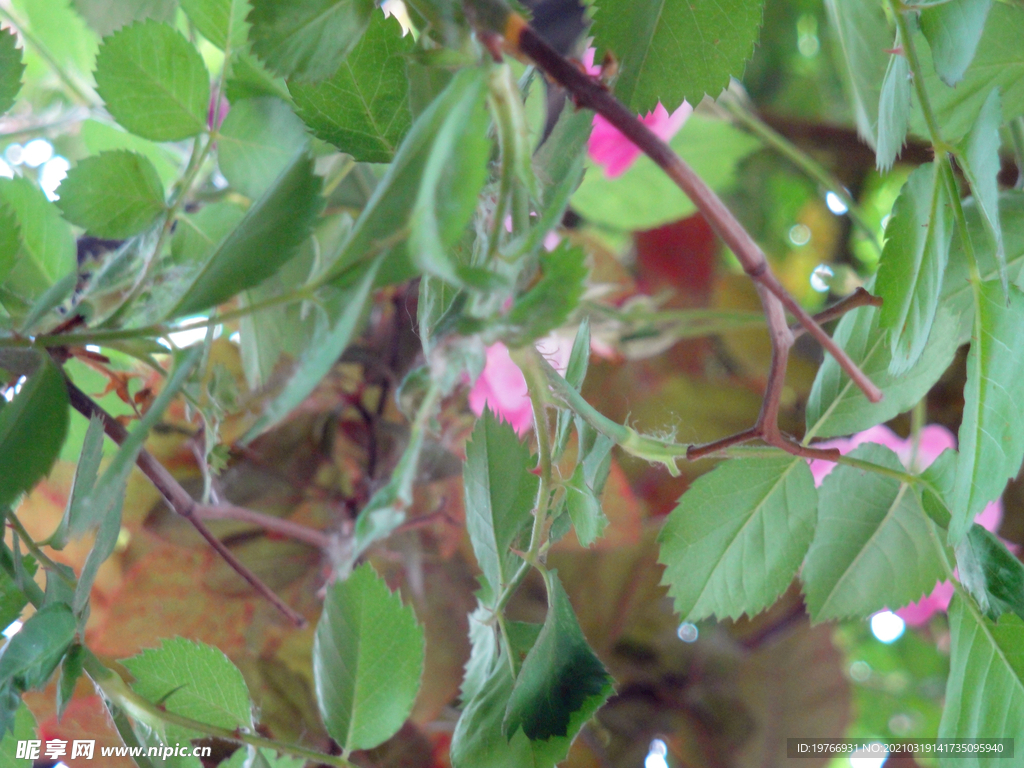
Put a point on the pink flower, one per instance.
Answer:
(933, 441)
(613, 151)
(501, 385)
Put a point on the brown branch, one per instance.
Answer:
(177, 497)
(590, 93)
(859, 298)
(292, 530)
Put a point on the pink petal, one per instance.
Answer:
(615, 153)
(920, 612)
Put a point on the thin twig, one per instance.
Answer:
(177, 497)
(590, 93)
(859, 298)
(292, 530)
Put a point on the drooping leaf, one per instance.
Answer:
(31, 656)
(32, 430)
(10, 240)
(584, 509)
(837, 407)
(998, 63)
(102, 548)
(893, 110)
(484, 651)
(644, 197)
(268, 235)
(106, 16)
(367, 660)
(74, 524)
(328, 342)
(11, 67)
(393, 198)
(47, 251)
(863, 34)
(575, 373)
(70, 673)
(559, 677)
(671, 51)
(153, 82)
(500, 495)
(194, 680)
(979, 160)
(511, 124)
(874, 547)
(222, 22)
(937, 486)
(308, 39)
(258, 140)
(113, 195)
(985, 689)
(743, 556)
(480, 742)
(363, 108)
(953, 30)
(52, 298)
(250, 79)
(991, 436)
(453, 175)
(12, 599)
(913, 264)
(993, 576)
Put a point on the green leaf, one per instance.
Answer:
(893, 110)
(394, 197)
(913, 263)
(453, 176)
(979, 160)
(258, 140)
(937, 486)
(102, 548)
(837, 407)
(575, 373)
(273, 228)
(874, 546)
(554, 297)
(484, 649)
(479, 740)
(153, 82)
(307, 39)
(24, 729)
(11, 67)
(328, 342)
(47, 251)
(863, 35)
(114, 195)
(671, 51)
(991, 437)
(998, 63)
(10, 240)
(644, 197)
(193, 680)
(32, 430)
(363, 108)
(985, 689)
(101, 137)
(70, 672)
(222, 22)
(953, 30)
(31, 656)
(741, 558)
(993, 576)
(54, 296)
(559, 677)
(367, 661)
(249, 79)
(106, 16)
(501, 493)
(584, 508)
(76, 523)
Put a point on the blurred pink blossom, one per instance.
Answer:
(501, 385)
(934, 440)
(613, 151)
